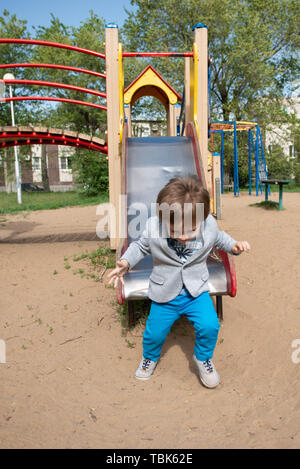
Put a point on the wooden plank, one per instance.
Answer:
(98, 141)
(70, 133)
(25, 128)
(113, 124)
(85, 137)
(202, 95)
(187, 90)
(54, 131)
(41, 130)
(9, 128)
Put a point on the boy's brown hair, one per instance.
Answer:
(184, 190)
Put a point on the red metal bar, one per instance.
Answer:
(88, 146)
(52, 44)
(230, 272)
(52, 141)
(158, 54)
(60, 67)
(44, 98)
(55, 85)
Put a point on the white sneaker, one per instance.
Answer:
(145, 369)
(207, 372)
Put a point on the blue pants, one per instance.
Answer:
(200, 312)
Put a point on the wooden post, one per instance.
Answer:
(113, 127)
(187, 89)
(127, 109)
(169, 118)
(177, 109)
(172, 123)
(200, 39)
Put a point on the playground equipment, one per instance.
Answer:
(257, 149)
(29, 135)
(151, 83)
(140, 167)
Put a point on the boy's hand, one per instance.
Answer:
(118, 273)
(240, 246)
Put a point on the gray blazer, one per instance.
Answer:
(169, 272)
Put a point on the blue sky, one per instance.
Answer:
(70, 12)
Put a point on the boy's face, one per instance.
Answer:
(182, 235)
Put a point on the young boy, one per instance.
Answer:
(178, 283)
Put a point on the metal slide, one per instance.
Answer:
(149, 163)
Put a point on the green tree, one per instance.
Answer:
(89, 35)
(279, 166)
(296, 161)
(90, 171)
(12, 27)
(253, 45)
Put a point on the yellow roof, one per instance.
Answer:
(150, 83)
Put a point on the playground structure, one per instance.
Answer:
(132, 160)
(142, 166)
(151, 83)
(28, 135)
(255, 147)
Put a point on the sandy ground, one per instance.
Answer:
(68, 378)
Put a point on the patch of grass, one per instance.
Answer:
(97, 258)
(130, 344)
(122, 311)
(141, 310)
(100, 256)
(94, 262)
(32, 201)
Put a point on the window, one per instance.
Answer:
(36, 163)
(65, 162)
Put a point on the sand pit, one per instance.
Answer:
(68, 378)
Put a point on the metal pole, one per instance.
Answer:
(218, 198)
(249, 148)
(257, 159)
(17, 166)
(222, 160)
(235, 164)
